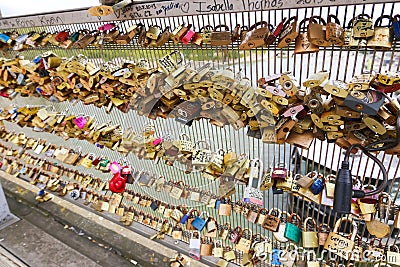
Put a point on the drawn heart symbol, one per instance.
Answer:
(185, 7)
(305, 45)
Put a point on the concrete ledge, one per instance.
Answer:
(131, 244)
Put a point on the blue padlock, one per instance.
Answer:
(186, 217)
(5, 38)
(199, 223)
(318, 185)
(275, 256)
(37, 59)
(217, 202)
(396, 27)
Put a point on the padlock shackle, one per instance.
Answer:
(249, 231)
(206, 27)
(262, 23)
(313, 222)
(297, 217)
(334, 17)
(323, 225)
(353, 223)
(315, 19)
(378, 22)
(275, 209)
(220, 27)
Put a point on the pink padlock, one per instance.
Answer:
(292, 111)
(106, 27)
(369, 199)
(80, 122)
(356, 186)
(157, 141)
(115, 167)
(188, 36)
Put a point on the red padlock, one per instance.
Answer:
(279, 172)
(117, 183)
(126, 170)
(62, 36)
(187, 37)
(369, 199)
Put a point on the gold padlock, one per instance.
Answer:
(317, 31)
(383, 35)
(289, 33)
(153, 32)
(363, 26)
(310, 237)
(302, 43)
(220, 38)
(334, 32)
(255, 36)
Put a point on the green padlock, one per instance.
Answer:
(292, 230)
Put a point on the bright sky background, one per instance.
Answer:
(22, 7)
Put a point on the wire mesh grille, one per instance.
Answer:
(261, 62)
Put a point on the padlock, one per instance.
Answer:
(262, 248)
(348, 38)
(153, 32)
(220, 38)
(272, 220)
(235, 234)
(383, 35)
(178, 32)
(206, 34)
(369, 199)
(206, 247)
(244, 243)
(195, 245)
(225, 207)
(317, 31)
(378, 228)
(164, 37)
(199, 222)
(330, 185)
(229, 254)
(305, 181)
(334, 32)
(338, 244)
(279, 172)
(363, 26)
(253, 194)
(218, 250)
(286, 184)
(293, 231)
(289, 33)
(310, 238)
(275, 257)
(376, 252)
(302, 43)
(252, 215)
(318, 185)
(323, 232)
(396, 26)
(267, 181)
(61, 36)
(360, 101)
(393, 255)
(255, 36)
(187, 37)
(170, 62)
